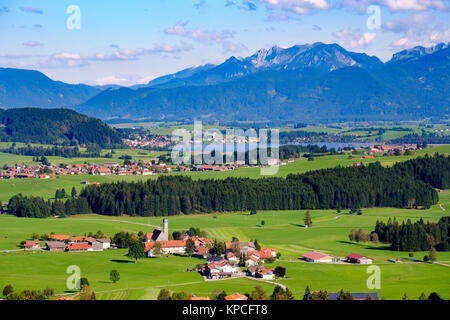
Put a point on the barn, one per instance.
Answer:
(317, 257)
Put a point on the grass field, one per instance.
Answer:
(282, 230)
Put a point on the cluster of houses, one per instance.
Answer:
(382, 149)
(319, 257)
(217, 267)
(138, 141)
(63, 242)
(108, 168)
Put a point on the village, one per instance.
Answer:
(41, 171)
(217, 266)
(238, 259)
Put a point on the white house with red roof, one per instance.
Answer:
(167, 247)
(266, 274)
(32, 245)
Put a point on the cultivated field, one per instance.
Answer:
(282, 230)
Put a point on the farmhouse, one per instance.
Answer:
(198, 241)
(251, 261)
(244, 247)
(251, 271)
(265, 274)
(356, 258)
(230, 256)
(106, 243)
(202, 252)
(257, 257)
(222, 269)
(81, 246)
(167, 247)
(30, 245)
(317, 257)
(55, 246)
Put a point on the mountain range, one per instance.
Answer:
(304, 82)
(29, 88)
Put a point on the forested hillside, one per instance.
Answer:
(54, 126)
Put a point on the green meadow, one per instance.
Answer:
(282, 230)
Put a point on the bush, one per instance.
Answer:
(280, 271)
(164, 294)
(7, 290)
(48, 292)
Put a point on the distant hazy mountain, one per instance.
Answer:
(417, 52)
(312, 82)
(54, 126)
(318, 55)
(28, 88)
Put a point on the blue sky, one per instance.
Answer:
(134, 41)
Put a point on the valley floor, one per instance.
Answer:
(282, 230)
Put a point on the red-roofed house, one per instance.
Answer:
(232, 257)
(83, 246)
(30, 245)
(168, 247)
(318, 257)
(265, 274)
(356, 258)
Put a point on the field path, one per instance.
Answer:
(267, 281)
(124, 221)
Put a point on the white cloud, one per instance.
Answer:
(413, 5)
(296, 6)
(31, 10)
(350, 40)
(278, 17)
(395, 5)
(419, 29)
(67, 56)
(33, 44)
(111, 80)
(199, 35)
(207, 37)
(134, 54)
(415, 22)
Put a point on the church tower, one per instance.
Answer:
(165, 230)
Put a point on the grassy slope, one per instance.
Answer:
(144, 279)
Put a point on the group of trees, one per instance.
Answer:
(39, 151)
(360, 235)
(10, 294)
(258, 293)
(423, 138)
(418, 236)
(37, 207)
(349, 187)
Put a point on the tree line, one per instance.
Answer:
(405, 185)
(418, 236)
